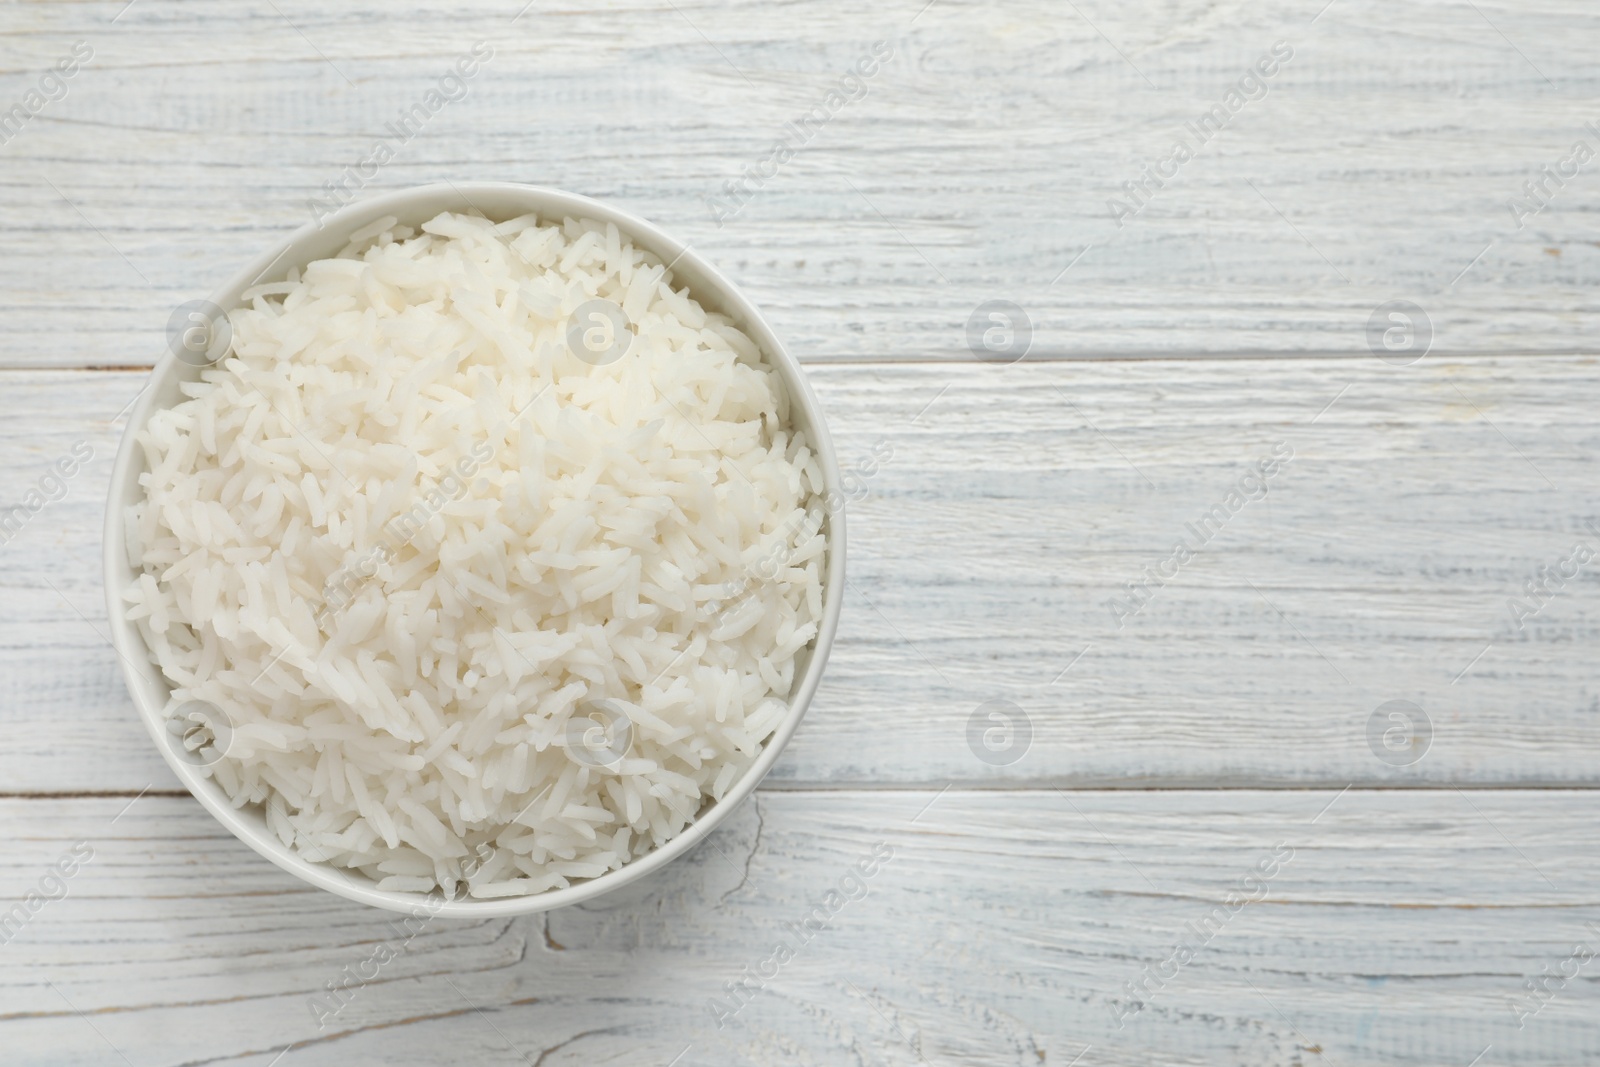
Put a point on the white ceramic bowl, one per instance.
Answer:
(500, 201)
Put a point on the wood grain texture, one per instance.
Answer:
(1008, 507)
(1398, 928)
(976, 165)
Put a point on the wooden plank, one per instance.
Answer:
(976, 165)
(1007, 510)
(994, 928)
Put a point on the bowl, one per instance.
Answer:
(320, 240)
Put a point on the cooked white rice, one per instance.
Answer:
(402, 534)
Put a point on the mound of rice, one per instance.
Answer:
(408, 541)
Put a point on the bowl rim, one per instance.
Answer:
(548, 203)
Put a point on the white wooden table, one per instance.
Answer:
(1060, 901)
